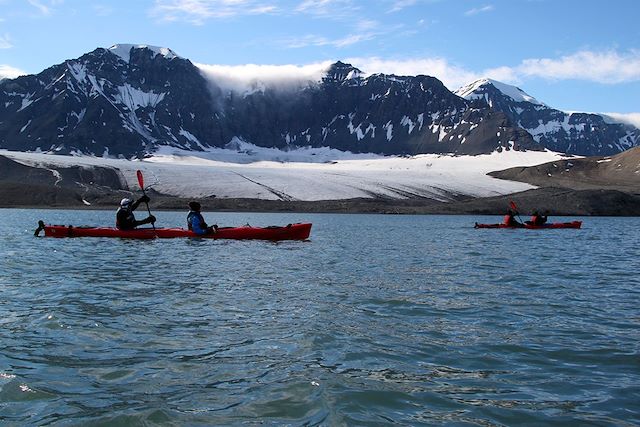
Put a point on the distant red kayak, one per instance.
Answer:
(299, 231)
(572, 224)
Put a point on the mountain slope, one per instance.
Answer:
(572, 133)
(618, 172)
(129, 100)
(101, 104)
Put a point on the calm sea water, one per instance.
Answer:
(378, 320)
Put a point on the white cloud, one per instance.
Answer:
(5, 42)
(353, 39)
(608, 67)
(243, 78)
(315, 40)
(628, 118)
(42, 8)
(602, 67)
(362, 30)
(45, 7)
(504, 74)
(477, 10)
(326, 8)
(9, 72)
(452, 76)
(398, 5)
(263, 10)
(198, 11)
(367, 25)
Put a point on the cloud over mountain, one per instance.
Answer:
(607, 67)
(243, 78)
(8, 72)
(129, 100)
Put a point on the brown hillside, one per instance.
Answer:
(620, 172)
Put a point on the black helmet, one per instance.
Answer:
(194, 206)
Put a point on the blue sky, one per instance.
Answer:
(575, 55)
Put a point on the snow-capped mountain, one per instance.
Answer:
(107, 102)
(129, 100)
(572, 133)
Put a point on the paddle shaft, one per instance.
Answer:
(144, 193)
(515, 208)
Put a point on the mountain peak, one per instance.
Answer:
(130, 101)
(124, 51)
(340, 72)
(478, 88)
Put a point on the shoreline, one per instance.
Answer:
(554, 201)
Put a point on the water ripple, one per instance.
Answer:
(409, 320)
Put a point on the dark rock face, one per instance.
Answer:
(101, 104)
(105, 104)
(572, 133)
(27, 186)
(74, 177)
(380, 114)
(130, 100)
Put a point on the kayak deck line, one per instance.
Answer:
(551, 226)
(294, 231)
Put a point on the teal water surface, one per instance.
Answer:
(377, 320)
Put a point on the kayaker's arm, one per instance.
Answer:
(39, 229)
(142, 199)
(149, 220)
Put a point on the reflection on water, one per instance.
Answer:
(377, 320)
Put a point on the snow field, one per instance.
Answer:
(310, 174)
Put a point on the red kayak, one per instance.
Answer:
(572, 224)
(299, 231)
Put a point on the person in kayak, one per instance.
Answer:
(195, 221)
(537, 219)
(125, 220)
(510, 220)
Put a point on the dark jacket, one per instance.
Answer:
(125, 220)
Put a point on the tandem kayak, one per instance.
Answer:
(554, 225)
(298, 231)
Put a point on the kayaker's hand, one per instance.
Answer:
(151, 219)
(145, 199)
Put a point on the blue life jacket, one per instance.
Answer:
(196, 223)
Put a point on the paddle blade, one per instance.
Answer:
(140, 179)
(513, 205)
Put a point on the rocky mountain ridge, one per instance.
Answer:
(572, 133)
(126, 101)
(105, 103)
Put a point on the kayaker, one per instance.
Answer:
(537, 219)
(125, 220)
(510, 220)
(195, 221)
